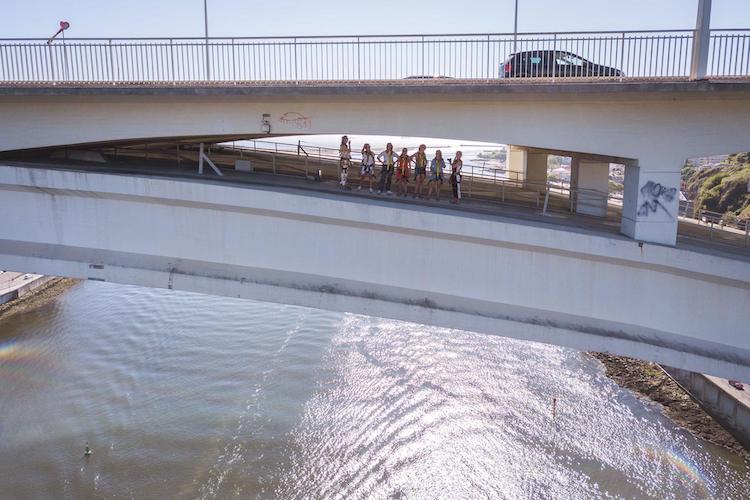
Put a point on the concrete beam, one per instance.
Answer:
(582, 155)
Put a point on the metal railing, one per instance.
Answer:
(305, 152)
(418, 58)
(729, 53)
(482, 181)
(723, 225)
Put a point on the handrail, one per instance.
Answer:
(416, 58)
(397, 35)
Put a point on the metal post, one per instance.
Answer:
(423, 57)
(554, 48)
(205, 25)
(200, 159)
(747, 232)
(171, 60)
(489, 64)
(701, 41)
(234, 65)
(111, 64)
(296, 75)
(65, 58)
(515, 28)
(546, 201)
(203, 156)
(622, 56)
(359, 62)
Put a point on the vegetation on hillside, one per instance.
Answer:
(722, 188)
(494, 154)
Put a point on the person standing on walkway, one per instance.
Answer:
(367, 170)
(387, 159)
(437, 167)
(403, 172)
(345, 160)
(456, 167)
(420, 169)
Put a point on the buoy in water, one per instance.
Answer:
(87, 451)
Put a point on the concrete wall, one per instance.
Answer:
(713, 394)
(473, 272)
(23, 288)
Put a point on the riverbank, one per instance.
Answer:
(36, 298)
(648, 379)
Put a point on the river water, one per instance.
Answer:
(189, 396)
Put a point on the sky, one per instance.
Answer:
(175, 18)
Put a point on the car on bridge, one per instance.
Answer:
(553, 63)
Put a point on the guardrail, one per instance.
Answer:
(618, 55)
(729, 53)
(725, 224)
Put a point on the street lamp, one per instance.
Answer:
(205, 30)
(64, 25)
(515, 28)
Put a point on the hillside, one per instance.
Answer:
(722, 188)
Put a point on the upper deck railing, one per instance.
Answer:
(607, 55)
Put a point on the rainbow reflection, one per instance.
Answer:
(20, 362)
(688, 470)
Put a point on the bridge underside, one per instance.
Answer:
(437, 267)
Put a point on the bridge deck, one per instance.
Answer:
(691, 236)
(377, 87)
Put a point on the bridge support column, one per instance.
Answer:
(590, 179)
(650, 204)
(701, 41)
(527, 167)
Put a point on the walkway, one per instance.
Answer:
(692, 237)
(14, 285)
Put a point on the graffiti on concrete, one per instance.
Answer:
(654, 196)
(297, 119)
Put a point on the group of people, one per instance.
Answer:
(400, 165)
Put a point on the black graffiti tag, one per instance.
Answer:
(653, 194)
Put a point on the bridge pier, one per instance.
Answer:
(650, 204)
(590, 179)
(527, 167)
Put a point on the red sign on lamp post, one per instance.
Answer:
(63, 26)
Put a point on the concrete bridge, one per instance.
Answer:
(429, 265)
(670, 98)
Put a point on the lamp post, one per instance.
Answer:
(515, 28)
(205, 30)
(64, 25)
(701, 41)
